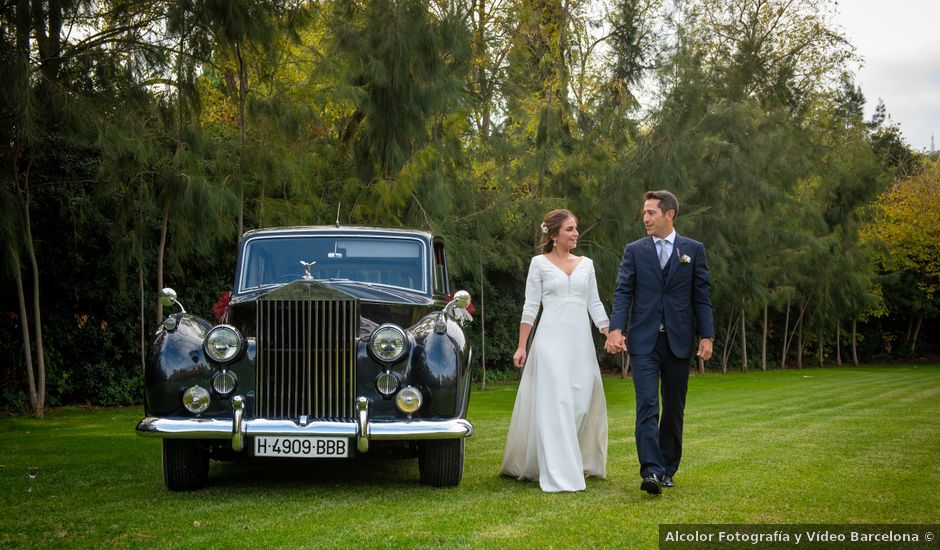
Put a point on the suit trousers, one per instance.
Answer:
(659, 442)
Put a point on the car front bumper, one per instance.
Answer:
(363, 430)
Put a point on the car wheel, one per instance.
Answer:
(441, 462)
(185, 465)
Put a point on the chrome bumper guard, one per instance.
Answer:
(362, 429)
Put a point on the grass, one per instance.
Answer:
(850, 445)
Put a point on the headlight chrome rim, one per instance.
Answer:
(409, 400)
(383, 346)
(224, 344)
(196, 399)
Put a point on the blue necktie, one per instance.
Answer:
(663, 255)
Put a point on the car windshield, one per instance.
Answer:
(391, 261)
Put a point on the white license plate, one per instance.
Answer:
(302, 447)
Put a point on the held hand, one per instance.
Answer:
(518, 358)
(705, 349)
(615, 343)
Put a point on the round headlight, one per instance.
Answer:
(196, 399)
(224, 382)
(224, 343)
(386, 383)
(388, 343)
(409, 399)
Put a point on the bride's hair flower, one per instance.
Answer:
(544, 228)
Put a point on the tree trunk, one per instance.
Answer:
(624, 365)
(23, 28)
(726, 348)
(786, 337)
(483, 324)
(27, 346)
(838, 345)
(37, 311)
(160, 252)
(799, 343)
(482, 82)
(48, 29)
(920, 320)
(743, 340)
(854, 340)
(243, 140)
(763, 345)
(241, 212)
(820, 348)
(143, 320)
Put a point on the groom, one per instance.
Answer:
(663, 286)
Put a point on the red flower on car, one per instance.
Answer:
(221, 307)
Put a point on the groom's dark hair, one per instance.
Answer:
(667, 201)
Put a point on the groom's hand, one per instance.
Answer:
(705, 349)
(615, 343)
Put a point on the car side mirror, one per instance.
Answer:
(168, 298)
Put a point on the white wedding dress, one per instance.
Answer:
(558, 431)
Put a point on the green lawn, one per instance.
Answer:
(850, 445)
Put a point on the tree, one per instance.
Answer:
(405, 67)
(889, 145)
(779, 52)
(905, 223)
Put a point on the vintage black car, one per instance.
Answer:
(337, 342)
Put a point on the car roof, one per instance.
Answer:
(333, 229)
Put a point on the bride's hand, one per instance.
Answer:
(518, 358)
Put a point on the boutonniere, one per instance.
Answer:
(683, 258)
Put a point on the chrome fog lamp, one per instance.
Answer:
(224, 382)
(388, 343)
(409, 399)
(224, 343)
(386, 383)
(196, 399)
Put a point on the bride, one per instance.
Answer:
(558, 431)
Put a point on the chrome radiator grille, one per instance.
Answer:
(306, 359)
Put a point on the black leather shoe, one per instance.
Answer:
(652, 485)
(667, 482)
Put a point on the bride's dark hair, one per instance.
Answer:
(551, 225)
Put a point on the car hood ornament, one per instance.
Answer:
(307, 266)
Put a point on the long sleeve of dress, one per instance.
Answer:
(595, 306)
(533, 294)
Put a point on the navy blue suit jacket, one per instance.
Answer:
(679, 299)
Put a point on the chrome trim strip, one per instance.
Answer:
(208, 428)
(426, 254)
